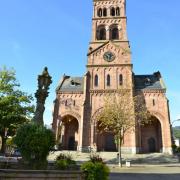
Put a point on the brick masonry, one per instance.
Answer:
(81, 99)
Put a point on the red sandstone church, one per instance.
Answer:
(109, 68)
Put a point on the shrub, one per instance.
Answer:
(34, 142)
(95, 171)
(65, 161)
(174, 148)
(178, 149)
(95, 158)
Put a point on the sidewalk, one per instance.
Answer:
(111, 158)
(147, 169)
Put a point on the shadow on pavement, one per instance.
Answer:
(147, 159)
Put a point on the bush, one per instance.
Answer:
(95, 158)
(174, 148)
(178, 149)
(34, 143)
(95, 171)
(65, 161)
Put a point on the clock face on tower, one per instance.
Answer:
(109, 56)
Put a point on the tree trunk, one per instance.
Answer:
(3, 147)
(120, 155)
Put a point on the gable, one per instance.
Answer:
(121, 54)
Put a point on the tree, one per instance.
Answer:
(176, 132)
(34, 142)
(15, 105)
(122, 113)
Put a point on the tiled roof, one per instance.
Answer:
(149, 82)
(71, 84)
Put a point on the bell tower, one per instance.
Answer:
(109, 60)
(108, 22)
(109, 56)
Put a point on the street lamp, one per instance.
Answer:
(174, 121)
(44, 81)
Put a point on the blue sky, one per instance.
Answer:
(56, 33)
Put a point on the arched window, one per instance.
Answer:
(104, 12)
(114, 32)
(117, 11)
(108, 80)
(154, 102)
(120, 79)
(66, 103)
(99, 12)
(101, 33)
(113, 11)
(96, 80)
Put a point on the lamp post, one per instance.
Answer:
(174, 121)
(44, 81)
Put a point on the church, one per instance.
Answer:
(109, 68)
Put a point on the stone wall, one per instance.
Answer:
(40, 175)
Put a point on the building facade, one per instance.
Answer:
(109, 68)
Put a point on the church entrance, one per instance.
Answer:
(151, 137)
(71, 143)
(106, 142)
(70, 136)
(110, 142)
(152, 145)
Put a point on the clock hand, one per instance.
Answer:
(109, 56)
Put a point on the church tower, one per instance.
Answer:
(109, 56)
(108, 22)
(109, 64)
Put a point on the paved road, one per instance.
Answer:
(149, 172)
(133, 176)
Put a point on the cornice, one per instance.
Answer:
(92, 91)
(109, 18)
(70, 92)
(109, 65)
(104, 41)
(151, 90)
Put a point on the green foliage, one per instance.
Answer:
(34, 142)
(15, 105)
(10, 142)
(178, 149)
(176, 132)
(174, 148)
(95, 171)
(119, 117)
(65, 161)
(95, 158)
